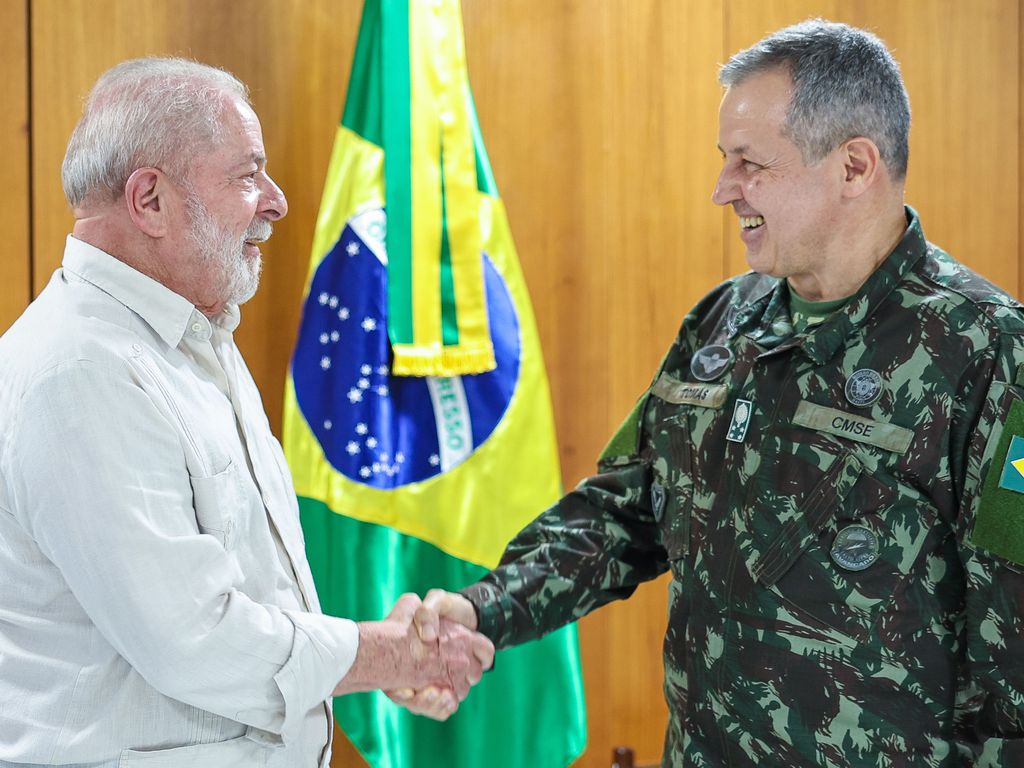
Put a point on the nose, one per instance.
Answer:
(726, 188)
(273, 204)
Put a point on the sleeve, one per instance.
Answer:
(595, 545)
(100, 484)
(990, 533)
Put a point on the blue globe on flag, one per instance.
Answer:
(377, 429)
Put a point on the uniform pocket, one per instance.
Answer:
(216, 500)
(672, 483)
(846, 552)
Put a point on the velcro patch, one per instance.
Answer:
(880, 434)
(999, 525)
(671, 390)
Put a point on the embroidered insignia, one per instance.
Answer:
(863, 387)
(710, 362)
(741, 414)
(1012, 478)
(658, 500)
(855, 548)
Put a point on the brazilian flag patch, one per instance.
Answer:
(999, 527)
(1012, 478)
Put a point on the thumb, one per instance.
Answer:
(451, 605)
(427, 623)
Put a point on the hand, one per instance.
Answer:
(393, 654)
(438, 607)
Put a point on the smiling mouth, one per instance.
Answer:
(751, 222)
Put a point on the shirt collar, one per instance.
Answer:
(823, 341)
(172, 316)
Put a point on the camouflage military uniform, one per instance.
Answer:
(830, 604)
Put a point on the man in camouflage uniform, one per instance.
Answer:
(828, 460)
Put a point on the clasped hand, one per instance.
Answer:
(447, 617)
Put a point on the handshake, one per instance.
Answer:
(423, 655)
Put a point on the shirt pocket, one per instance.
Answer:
(217, 500)
(239, 752)
(672, 481)
(814, 567)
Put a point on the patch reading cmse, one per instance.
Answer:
(882, 434)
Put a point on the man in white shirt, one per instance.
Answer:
(156, 606)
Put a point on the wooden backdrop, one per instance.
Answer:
(600, 118)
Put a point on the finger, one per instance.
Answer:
(400, 695)
(427, 623)
(433, 702)
(451, 605)
(483, 651)
(405, 607)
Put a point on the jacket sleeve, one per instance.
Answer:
(990, 531)
(593, 546)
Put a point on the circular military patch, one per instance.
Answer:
(855, 548)
(710, 362)
(863, 387)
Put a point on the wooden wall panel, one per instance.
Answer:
(600, 121)
(960, 62)
(14, 171)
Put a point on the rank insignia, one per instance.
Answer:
(863, 387)
(1012, 477)
(710, 362)
(741, 414)
(855, 548)
(658, 500)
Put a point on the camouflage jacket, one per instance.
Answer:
(847, 587)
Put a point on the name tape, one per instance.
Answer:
(853, 427)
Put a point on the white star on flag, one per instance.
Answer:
(352, 447)
(325, 362)
(352, 249)
(360, 429)
(343, 313)
(369, 324)
(354, 395)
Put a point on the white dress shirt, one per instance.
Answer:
(156, 605)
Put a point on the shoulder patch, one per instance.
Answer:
(625, 442)
(999, 526)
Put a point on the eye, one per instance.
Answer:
(750, 165)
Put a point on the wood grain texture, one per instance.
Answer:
(960, 63)
(14, 171)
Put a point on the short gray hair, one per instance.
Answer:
(144, 112)
(845, 84)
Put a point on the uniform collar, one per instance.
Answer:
(170, 315)
(770, 309)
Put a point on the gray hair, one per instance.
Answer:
(845, 84)
(141, 113)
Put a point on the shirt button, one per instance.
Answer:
(197, 327)
(137, 349)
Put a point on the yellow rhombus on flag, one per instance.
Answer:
(408, 482)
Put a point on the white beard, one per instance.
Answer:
(223, 253)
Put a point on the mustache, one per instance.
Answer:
(258, 231)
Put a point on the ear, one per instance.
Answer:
(147, 194)
(862, 165)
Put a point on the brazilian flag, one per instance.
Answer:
(417, 417)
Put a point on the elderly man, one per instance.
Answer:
(828, 461)
(156, 606)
